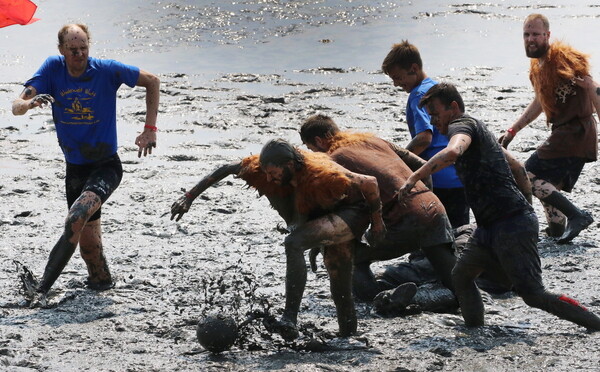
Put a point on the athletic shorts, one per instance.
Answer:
(101, 178)
(562, 172)
(356, 216)
(506, 249)
(408, 236)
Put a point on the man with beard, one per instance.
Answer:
(505, 241)
(566, 93)
(324, 204)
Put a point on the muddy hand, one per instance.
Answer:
(146, 142)
(505, 139)
(180, 207)
(405, 189)
(41, 100)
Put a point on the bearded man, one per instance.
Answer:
(566, 93)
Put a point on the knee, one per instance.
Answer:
(76, 220)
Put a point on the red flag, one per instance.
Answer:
(17, 12)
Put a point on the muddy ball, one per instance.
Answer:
(217, 333)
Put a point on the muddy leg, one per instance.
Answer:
(564, 307)
(338, 260)
(549, 194)
(469, 297)
(90, 247)
(83, 208)
(443, 260)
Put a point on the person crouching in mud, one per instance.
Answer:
(410, 227)
(326, 206)
(505, 241)
(82, 91)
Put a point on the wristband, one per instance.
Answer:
(188, 195)
(151, 127)
(512, 131)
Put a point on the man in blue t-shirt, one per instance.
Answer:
(404, 66)
(82, 91)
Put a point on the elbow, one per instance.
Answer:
(16, 110)
(452, 154)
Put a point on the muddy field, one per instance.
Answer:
(226, 254)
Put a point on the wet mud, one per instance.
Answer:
(226, 255)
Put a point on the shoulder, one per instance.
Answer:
(54, 61)
(111, 64)
(465, 124)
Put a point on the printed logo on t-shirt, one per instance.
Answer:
(78, 111)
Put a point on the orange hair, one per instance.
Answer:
(562, 62)
(321, 184)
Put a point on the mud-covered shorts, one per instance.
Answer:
(562, 172)
(101, 178)
(507, 251)
(356, 216)
(408, 236)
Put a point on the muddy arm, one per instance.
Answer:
(183, 204)
(413, 161)
(520, 175)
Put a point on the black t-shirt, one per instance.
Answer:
(491, 190)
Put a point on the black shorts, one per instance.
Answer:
(561, 172)
(356, 216)
(507, 249)
(101, 178)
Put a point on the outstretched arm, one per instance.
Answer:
(147, 140)
(530, 114)
(30, 99)
(183, 204)
(520, 175)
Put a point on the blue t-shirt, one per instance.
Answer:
(419, 121)
(84, 111)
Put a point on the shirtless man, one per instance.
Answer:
(325, 206)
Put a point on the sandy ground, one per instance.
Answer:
(226, 254)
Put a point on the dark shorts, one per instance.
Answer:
(356, 216)
(408, 236)
(507, 250)
(561, 172)
(101, 178)
(455, 203)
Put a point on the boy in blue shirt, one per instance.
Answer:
(404, 66)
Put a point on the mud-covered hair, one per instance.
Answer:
(278, 152)
(541, 17)
(403, 55)
(65, 29)
(446, 93)
(318, 126)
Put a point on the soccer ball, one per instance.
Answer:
(217, 333)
